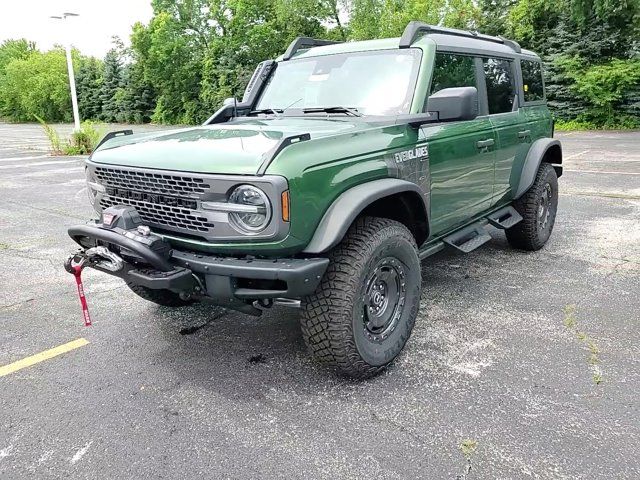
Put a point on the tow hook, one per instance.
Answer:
(96, 256)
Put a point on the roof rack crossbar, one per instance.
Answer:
(303, 43)
(414, 28)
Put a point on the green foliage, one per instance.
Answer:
(89, 87)
(112, 83)
(52, 135)
(36, 85)
(14, 50)
(388, 18)
(195, 53)
(81, 142)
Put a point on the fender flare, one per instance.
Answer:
(346, 208)
(532, 162)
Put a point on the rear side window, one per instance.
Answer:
(532, 81)
(452, 71)
(501, 91)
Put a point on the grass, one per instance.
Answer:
(581, 125)
(468, 446)
(81, 142)
(571, 322)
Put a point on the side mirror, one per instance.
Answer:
(459, 103)
(229, 101)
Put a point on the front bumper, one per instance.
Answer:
(227, 281)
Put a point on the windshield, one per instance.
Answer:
(373, 83)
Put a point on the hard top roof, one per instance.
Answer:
(415, 34)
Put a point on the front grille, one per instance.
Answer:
(163, 200)
(170, 202)
(162, 215)
(151, 182)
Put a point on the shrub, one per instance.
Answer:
(81, 142)
(52, 136)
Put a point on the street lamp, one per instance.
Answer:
(72, 79)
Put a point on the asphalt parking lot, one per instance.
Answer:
(521, 365)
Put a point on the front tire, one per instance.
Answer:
(362, 313)
(538, 207)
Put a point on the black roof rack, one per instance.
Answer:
(415, 28)
(305, 42)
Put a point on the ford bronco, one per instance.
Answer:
(343, 166)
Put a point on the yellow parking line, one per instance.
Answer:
(42, 356)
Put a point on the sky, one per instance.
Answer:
(91, 32)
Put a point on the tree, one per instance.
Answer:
(15, 50)
(493, 16)
(89, 88)
(111, 84)
(37, 85)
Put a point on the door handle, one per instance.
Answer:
(524, 134)
(485, 143)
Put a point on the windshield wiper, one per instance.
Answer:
(349, 111)
(273, 111)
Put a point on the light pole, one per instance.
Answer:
(72, 79)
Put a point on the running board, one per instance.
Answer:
(469, 238)
(504, 218)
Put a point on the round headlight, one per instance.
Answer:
(254, 209)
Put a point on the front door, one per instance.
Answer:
(461, 154)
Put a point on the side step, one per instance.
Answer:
(468, 238)
(504, 218)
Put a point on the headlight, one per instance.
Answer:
(252, 209)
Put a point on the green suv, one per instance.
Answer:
(343, 166)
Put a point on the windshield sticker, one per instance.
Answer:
(319, 77)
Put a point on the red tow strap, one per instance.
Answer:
(77, 273)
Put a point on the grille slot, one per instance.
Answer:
(151, 182)
(163, 215)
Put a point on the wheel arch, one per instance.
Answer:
(548, 150)
(391, 198)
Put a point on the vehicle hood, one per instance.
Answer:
(231, 148)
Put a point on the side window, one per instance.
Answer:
(501, 91)
(452, 71)
(532, 80)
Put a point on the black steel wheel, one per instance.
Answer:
(384, 299)
(362, 313)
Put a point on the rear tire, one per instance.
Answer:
(538, 207)
(166, 298)
(362, 313)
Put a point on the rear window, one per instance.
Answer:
(532, 81)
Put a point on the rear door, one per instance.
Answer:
(461, 154)
(508, 120)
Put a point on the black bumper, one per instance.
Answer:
(223, 279)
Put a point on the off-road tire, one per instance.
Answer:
(166, 298)
(532, 233)
(334, 319)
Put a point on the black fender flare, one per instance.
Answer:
(532, 162)
(346, 208)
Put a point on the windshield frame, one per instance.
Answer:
(296, 110)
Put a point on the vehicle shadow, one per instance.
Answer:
(247, 357)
